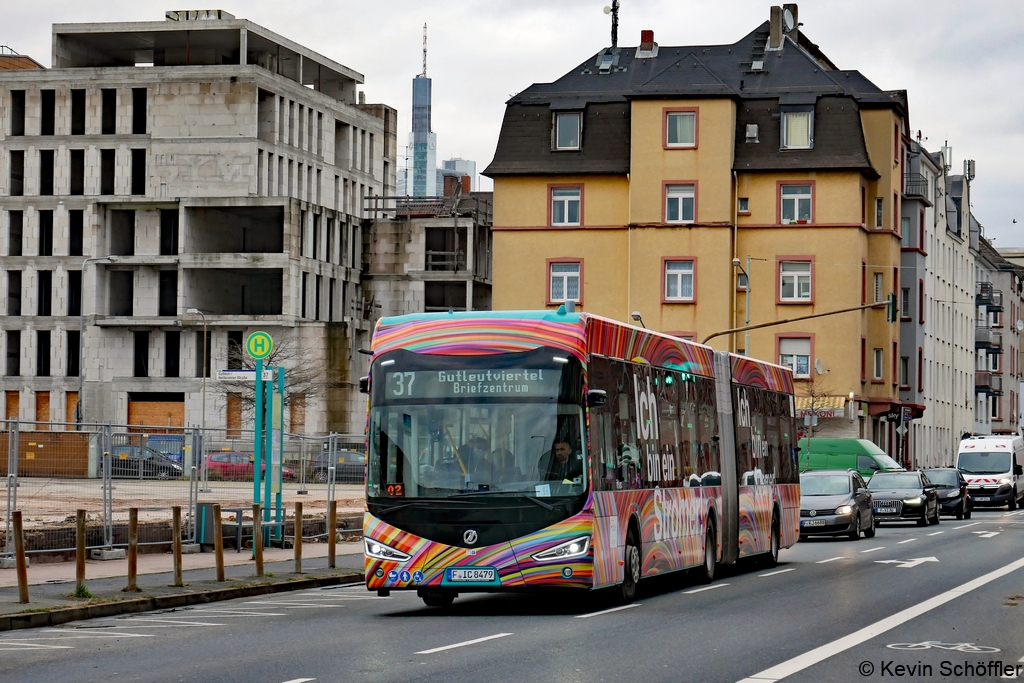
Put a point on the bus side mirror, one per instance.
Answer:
(364, 385)
(597, 398)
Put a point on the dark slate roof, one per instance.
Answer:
(694, 71)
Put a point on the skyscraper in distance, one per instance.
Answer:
(422, 140)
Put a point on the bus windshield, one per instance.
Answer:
(485, 428)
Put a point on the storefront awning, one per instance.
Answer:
(822, 406)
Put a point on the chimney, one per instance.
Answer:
(362, 97)
(646, 40)
(775, 29)
(451, 185)
(467, 184)
(791, 23)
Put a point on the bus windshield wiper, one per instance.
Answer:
(417, 502)
(518, 494)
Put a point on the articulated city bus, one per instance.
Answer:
(513, 450)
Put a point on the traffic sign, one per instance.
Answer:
(259, 345)
(243, 375)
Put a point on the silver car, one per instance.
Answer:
(835, 502)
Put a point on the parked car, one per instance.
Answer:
(835, 502)
(951, 486)
(904, 497)
(348, 469)
(235, 465)
(138, 462)
(845, 454)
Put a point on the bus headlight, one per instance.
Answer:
(564, 551)
(379, 551)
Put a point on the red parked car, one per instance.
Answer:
(235, 465)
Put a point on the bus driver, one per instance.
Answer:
(560, 464)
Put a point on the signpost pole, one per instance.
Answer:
(259, 346)
(279, 443)
(258, 435)
(272, 459)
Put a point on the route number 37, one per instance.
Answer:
(403, 383)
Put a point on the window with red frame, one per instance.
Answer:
(920, 369)
(895, 362)
(863, 360)
(920, 301)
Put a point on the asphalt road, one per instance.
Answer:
(949, 597)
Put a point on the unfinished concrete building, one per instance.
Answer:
(167, 177)
(429, 254)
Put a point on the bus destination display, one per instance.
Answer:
(522, 383)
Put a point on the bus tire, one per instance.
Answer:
(771, 558)
(707, 570)
(435, 598)
(631, 567)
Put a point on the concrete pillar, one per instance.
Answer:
(243, 45)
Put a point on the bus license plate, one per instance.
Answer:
(982, 499)
(471, 575)
(813, 522)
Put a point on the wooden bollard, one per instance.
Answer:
(19, 554)
(176, 543)
(133, 551)
(218, 541)
(79, 551)
(332, 534)
(298, 538)
(257, 539)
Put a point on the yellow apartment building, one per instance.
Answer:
(684, 184)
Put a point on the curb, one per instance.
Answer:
(55, 617)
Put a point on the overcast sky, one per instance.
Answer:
(960, 61)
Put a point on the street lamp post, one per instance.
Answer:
(196, 311)
(79, 413)
(746, 303)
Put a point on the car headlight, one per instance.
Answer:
(844, 509)
(379, 551)
(1005, 481)
(953, 494)
(913, 501)
(564, 551)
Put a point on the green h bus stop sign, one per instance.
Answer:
(259, 345)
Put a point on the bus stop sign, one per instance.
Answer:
(259, 345)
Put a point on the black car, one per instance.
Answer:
(349, 468)
(952, 489)
(138, 462)
(835, 502)
(904, 497)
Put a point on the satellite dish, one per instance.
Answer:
(1020, 325)
(788, 20)
(818, 368)
(607, 10)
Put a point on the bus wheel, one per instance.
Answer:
(631, 569)
(771, 558)
(710, 556)
(437, 598)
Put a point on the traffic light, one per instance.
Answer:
(891, 310)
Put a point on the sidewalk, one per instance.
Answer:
(51, 585)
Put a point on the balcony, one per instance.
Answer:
(996, 344)
(915, 185)
(449, 261)
(986, 382)
(997, 300)
(983, 293)
(983, 337)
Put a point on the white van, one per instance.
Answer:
(992, 466)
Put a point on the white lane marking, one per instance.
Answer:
(904, 564)
(936, 533)
(294, 605)
(705, 588)
(606, 611)
(831, 559)
(300, 680)
(781, 571)
(819, 654)
(222, 613)
(909, 540)
(176, 622)
(871, 550)
(1011, 514)
(462, 644)
(14, 647)
(986, 534)
(964, 526)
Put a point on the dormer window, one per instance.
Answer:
(797, 130)
(567, 130)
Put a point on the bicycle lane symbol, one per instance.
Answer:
(969, 648)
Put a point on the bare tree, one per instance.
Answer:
(306, 378)
(819, 390)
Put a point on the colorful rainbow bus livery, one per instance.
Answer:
(515, 450)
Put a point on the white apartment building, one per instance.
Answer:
(202, 162)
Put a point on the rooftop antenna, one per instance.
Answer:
(424, 49)
(614, 11)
